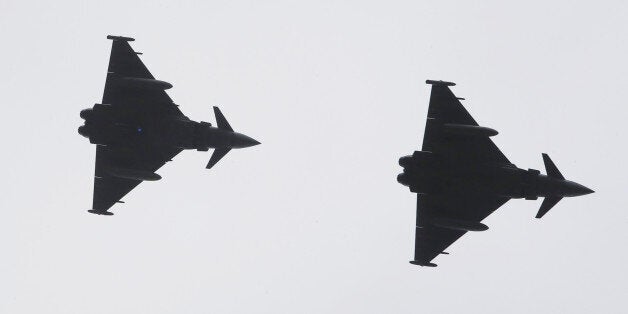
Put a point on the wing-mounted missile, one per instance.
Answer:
(468, 130)
(120, 38)
(456, 224)
(442, 83)
(144, 83)
(133, 174)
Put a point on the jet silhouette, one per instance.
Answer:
(461, 177)
(137, 129)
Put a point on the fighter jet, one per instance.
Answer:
(461, 177)
(137, 129)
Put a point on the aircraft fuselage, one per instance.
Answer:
(103, 128)
(433, 175)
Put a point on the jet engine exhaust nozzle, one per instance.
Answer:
(403, 179)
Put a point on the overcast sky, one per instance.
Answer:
(313, 220)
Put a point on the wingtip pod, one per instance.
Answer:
(100, 212)
(439, 82)
(120, 38)
(424, 264)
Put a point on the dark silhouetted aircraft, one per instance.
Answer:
(461, 177)
(137, 129)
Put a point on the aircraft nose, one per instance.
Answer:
(245, 141)
(576, 189)
(585, 190)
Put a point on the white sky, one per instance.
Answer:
(313, 220)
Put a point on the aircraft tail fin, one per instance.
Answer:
(547, 204)
(551, 169)
(221, 121)
(216, 156)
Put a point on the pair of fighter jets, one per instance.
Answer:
(460, 176)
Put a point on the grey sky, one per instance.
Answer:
(313, 220)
